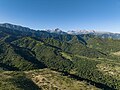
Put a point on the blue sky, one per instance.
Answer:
(101, 15)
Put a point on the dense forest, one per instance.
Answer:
(86, 58)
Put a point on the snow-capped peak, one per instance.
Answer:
(77, 32)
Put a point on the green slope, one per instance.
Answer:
(88, 58)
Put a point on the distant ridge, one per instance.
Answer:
(16, 27)
(59, 31)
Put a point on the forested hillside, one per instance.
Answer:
(89, 61)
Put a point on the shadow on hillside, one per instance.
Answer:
(22, 82)
(98, 85)
(29, 56)
(7, 67)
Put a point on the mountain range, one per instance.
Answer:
(59, 31)
(56, 60)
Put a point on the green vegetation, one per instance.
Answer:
(89, 61)
(66, 55)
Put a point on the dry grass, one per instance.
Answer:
(51, 80)
(116, 53)
(109, 69)
(44, 79)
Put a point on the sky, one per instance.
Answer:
(100, 15)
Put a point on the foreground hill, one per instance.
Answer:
(85, 57)
(43, 79)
